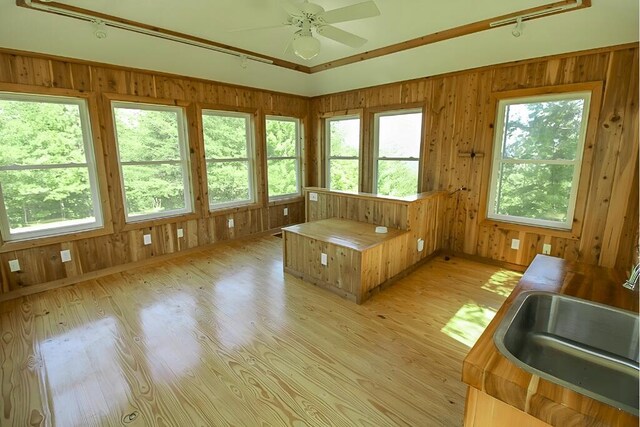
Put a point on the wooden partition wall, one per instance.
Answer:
(121, 244)
(458, 119)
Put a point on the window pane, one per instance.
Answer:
(47, 199)
(344, 174)
(145, 135)
(397, 178)
(399, 135)
(40, 133)
(281, 138)
(224, 137)
(344, 138)
(228, 182)
(153, 188)
(283, 178)
(535, 191)
(543, 130)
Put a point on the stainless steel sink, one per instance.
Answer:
(587, 347)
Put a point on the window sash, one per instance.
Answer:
(249, 159)
(90, 164)
(499, 159)
(376, 141)
(297, 157)
(183, 162)
(331, 157)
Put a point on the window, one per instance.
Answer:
(283, 156)
(397, 136)
(537, 156)
(47, 169)
(228, 147)
(152, 152)
(343, 153)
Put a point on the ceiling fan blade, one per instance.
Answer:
(341, 36)
(362, 10)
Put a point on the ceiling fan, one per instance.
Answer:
(308, 18)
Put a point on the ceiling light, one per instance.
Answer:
(306, 47)
(100, 29)
(517, 30)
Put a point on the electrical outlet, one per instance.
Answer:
(546, 249)
(146, 239)
(180, 232)
(515, 244)
(420, 245)
(286, 211)
(323, 259)
(313, 197)
(65, 256)
(230, 223)
(14, 265)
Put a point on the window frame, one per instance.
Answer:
(327, 145)
(297, 158)
(497, 157)
(250, 159)
(89, 145)
(376, 143)
(183, 142)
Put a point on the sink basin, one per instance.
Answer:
(587, 347)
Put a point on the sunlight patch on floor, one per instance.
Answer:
(502, 282)
(468, 323)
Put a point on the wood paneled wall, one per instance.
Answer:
(458, 118)
(41, 264)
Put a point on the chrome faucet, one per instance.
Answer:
(632, 281)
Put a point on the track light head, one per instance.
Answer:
(100, 29)
(517, 30)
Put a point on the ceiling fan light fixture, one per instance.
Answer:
(306, 47)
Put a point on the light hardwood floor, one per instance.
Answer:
(222, 337)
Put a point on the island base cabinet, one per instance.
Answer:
(482, 410)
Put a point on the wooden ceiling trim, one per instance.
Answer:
(463, 30)
(451, 33)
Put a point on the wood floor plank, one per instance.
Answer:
(223, 337)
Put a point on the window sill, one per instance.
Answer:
(234, 208)
(295, 198)
(137, 225)
(18, 245)
(547, 231)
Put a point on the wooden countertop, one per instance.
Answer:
(487, 370)
(343, 232)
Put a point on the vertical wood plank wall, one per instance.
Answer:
(458, 111)
(42, 264)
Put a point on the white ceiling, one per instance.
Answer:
(606, 23)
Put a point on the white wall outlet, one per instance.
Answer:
(65, 256)
(515, 244)
(180, 232)
(546, 248)
(323, 259)
(146, 239)
(420, 245)
(286, 211)
(313, 197)
(14, 265)
(230, 223)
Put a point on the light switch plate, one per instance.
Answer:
(180, 232)
(147, 239)
(65, 256)
(230, 223)
(14, 265)
(546, 248)
(515, 244)
(313, 197)
(286, 211)
(323, 259)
